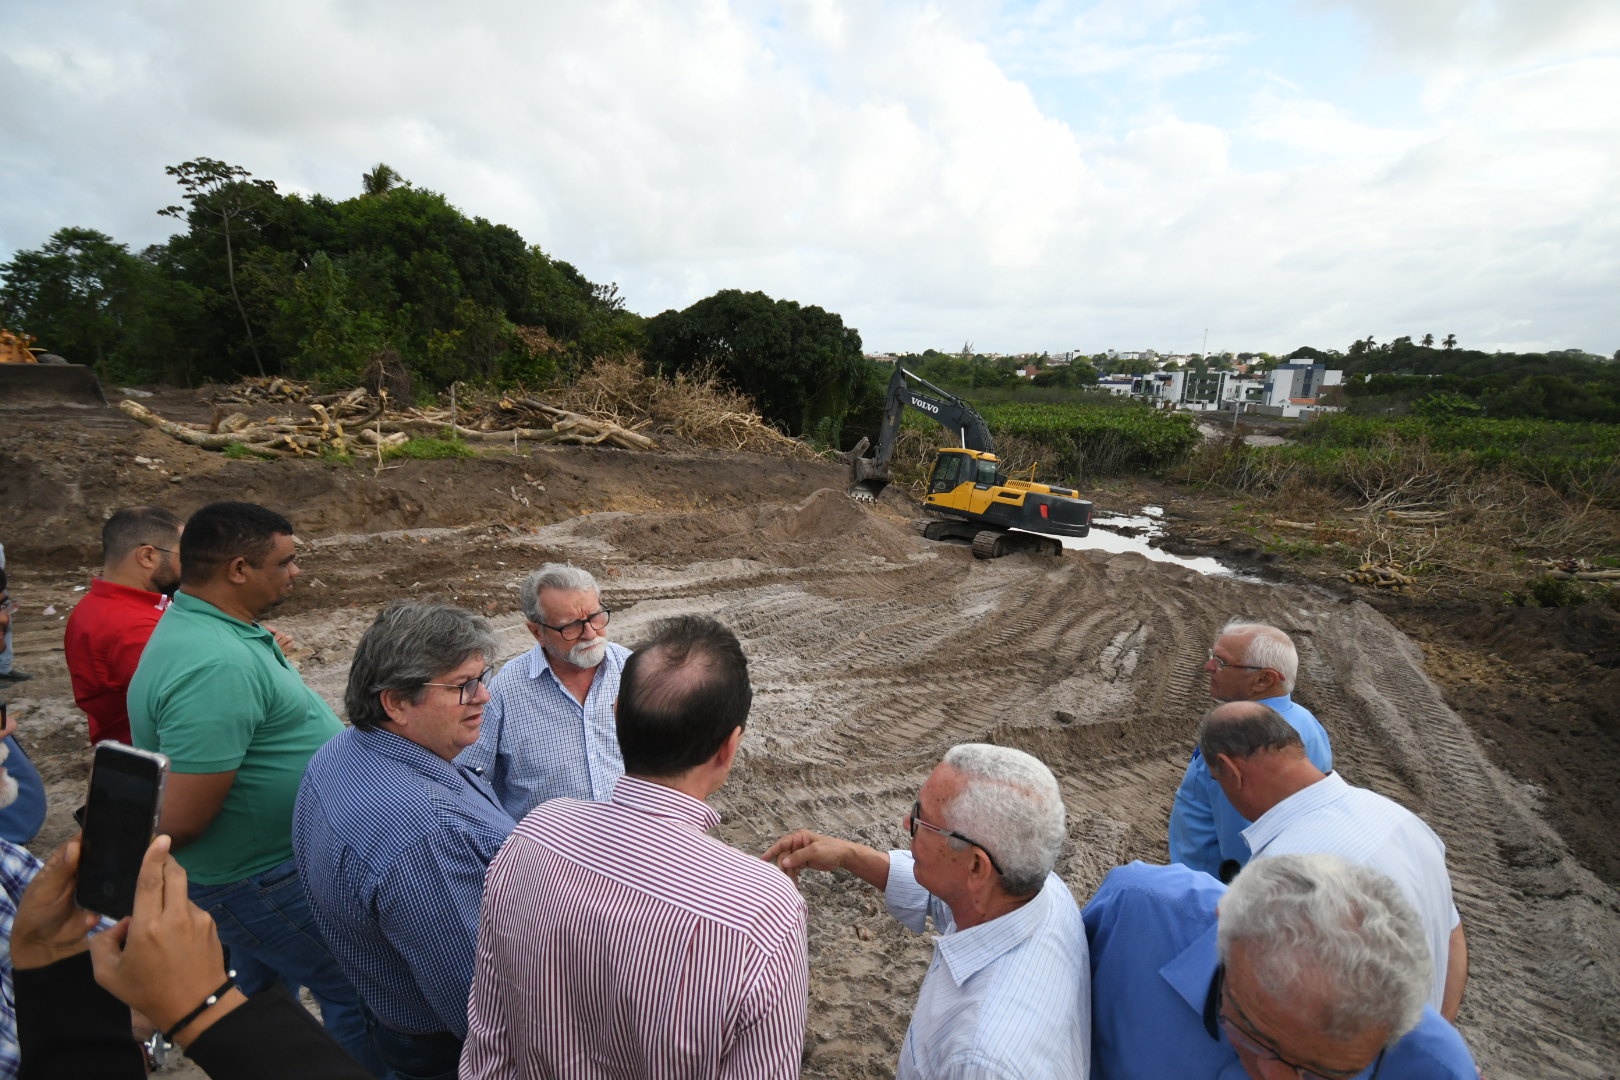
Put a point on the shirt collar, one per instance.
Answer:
(390, 744)
(1191, 971)
(112, 590)
(1301, 802)
(968, 952)
(664, 802)
(195, 605)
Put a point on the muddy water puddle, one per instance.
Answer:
(1120, 533)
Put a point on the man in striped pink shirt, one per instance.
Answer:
(617, 939)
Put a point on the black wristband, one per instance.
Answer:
(207, 1003)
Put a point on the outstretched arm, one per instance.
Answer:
(1456, 974)
(804, 848)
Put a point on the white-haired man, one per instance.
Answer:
(1248, 662)
(1307, 966)
(1259, 761)
(548, 728)
(1007, 994)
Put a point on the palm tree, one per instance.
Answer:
(1428, 341)
(380, 180)
(1450, 342)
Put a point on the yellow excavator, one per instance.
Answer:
(30, 376)
(974, 500)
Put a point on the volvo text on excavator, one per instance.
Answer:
(975, 500)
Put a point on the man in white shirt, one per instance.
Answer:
(1259, 761)
(1009, 991)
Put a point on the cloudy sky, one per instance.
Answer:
(1035, 175)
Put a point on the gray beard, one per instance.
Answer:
(588, 655)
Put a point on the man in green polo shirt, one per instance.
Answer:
(214, 692)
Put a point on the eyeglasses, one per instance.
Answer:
(468, 690)
(166, 551)
(1242, 1040)
(1222, 665)
(569, 631)
(8, 605)
(914, 820)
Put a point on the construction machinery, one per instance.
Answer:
(30, 376)
(974, 499)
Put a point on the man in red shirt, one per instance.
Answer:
(140, 549)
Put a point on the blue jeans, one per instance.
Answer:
(416, 1057)
(266, 924)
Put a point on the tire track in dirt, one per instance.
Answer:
(872, 651)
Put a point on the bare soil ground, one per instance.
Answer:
(873, 651)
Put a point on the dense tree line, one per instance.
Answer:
(1447, 380)
(261, 282)
(801, 365)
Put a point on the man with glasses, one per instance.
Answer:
(215, 693)
(109, 628)
(1008, 993)
(393, 838)
(619, 939)
(1306, 967)
(1248, 662)
(548, 728)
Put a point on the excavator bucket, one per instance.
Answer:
(866, 481)
(50, 384)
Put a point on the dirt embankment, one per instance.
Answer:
(872, 651)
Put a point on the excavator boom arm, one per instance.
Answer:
(870, 475)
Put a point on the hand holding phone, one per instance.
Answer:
(121, 816)
(49, 926)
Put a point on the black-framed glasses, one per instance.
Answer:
(468, 690)
(914, 821)
(1222, 665)
(569, 631)
(166, 551)
(1241, 1038)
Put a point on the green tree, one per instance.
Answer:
(73, 294)
(380, 180)
(800, 364)
(1450, 342)
(229, 194)
(1428, 341)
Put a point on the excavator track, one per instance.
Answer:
(989, 544)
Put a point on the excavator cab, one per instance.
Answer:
(955, 467)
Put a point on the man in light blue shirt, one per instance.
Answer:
(1177, 993)
(393, 839)
(548, 728)
(1249, 662)
(1008, 992)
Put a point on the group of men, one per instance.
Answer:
(503, 875)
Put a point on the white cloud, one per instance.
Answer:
(896, 163)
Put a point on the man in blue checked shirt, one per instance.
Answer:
(548, 728)
(393, 838)
(17, 869)
(1008, 994)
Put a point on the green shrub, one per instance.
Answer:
(430, 450)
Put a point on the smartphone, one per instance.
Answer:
(120, 819)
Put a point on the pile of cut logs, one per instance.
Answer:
(357, 422)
